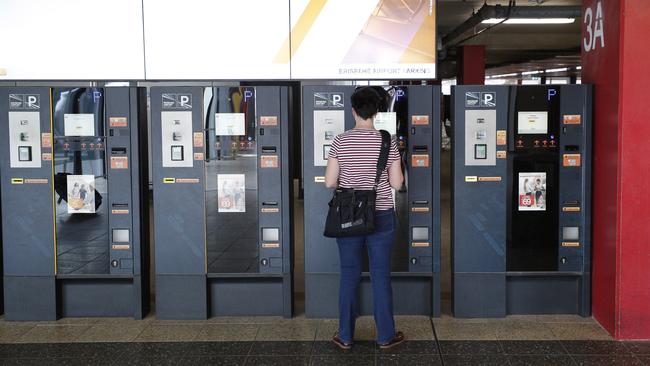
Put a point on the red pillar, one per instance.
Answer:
(617, 64)
(471, 65)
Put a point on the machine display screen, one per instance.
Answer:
(531, 123)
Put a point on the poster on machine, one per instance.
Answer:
(386, 121)
(230, 124)
(231, 192)
(327, 125)
(532, 191)
(81, 194)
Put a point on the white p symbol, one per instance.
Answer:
(336, 98)
(31, 100)
(487, 99)
(184, 100)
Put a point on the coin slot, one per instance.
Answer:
(572, 148)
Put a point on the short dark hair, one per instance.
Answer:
(366, 101)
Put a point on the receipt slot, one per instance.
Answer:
(521, 202)
(222, 201)
(412, 116)
(74, 179)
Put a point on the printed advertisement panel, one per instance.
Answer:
(363, 39)
(81, 194)
(532, 192)
(231, 192)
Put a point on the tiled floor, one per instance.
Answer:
(325, 353)
(515, 340)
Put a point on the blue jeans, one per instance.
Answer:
(379, 245)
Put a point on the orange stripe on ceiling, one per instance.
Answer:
(422, 48)
(299, 31)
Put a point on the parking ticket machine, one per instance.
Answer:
(412, 116)
(74, 183)
(222, 201)
(521, 225)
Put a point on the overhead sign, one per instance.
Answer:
(362, 39)
(593, 35)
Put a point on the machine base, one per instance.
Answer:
(181, 297)
(30, 298)
(253, 296)
(494, 295)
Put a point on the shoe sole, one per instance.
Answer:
(387, 346)
(342, 346)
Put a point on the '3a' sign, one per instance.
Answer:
(594, 31)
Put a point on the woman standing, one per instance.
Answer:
(352, 163)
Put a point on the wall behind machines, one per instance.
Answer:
(217, 40)
(71, 39)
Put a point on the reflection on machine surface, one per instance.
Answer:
(231, 181)
(80, 181)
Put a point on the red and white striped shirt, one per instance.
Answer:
(357, 151)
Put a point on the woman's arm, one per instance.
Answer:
(332, 173)
(395, 176)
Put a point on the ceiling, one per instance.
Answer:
(509, 46)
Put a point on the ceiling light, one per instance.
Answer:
(504, 75)
(532, 72)
(558, 70)
(530, 21)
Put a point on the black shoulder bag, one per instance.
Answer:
(351, 211)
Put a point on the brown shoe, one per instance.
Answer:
(339, 342)
(397, 339)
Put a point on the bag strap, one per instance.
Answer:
(383, 155)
